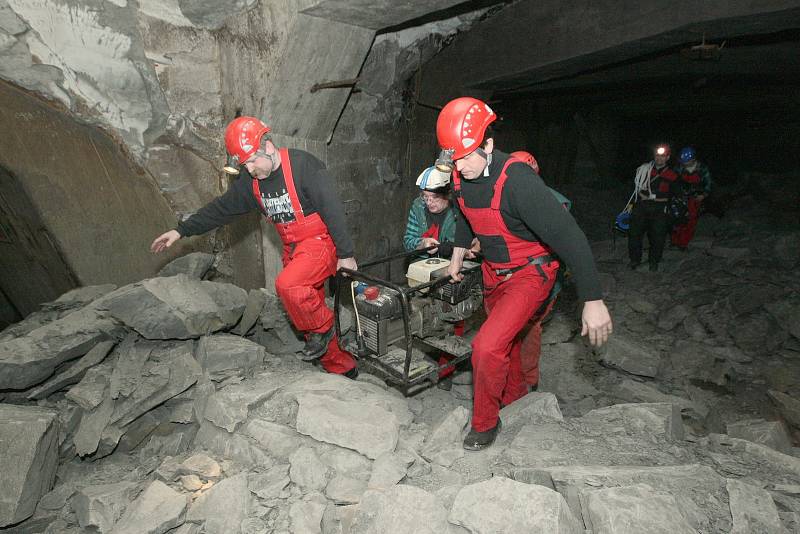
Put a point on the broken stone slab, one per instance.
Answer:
(223, 508)
(630, 356)
(176, 307)
(656, 419)
(170, 370)
(346, 462)
(273, 315)
(278, 440)
(786, 313)
(344, 490)
(633, 510)
(559, 329)
(772, 434)
(56, 498)
(560, 374)
(155, 511)
(761, 453)
(169, 439)
(389, 469)
(28, 360)
(672, 317)
(698, 490)
(504, 505)
(229, 407)
(270, 484)
(307, 470)
(91, 390)
(444, 444)
(223, 355)
(788, 407)
(532, 406)
(633, 390)
(580, 442)
(236, 447)
(256, 299)
(370, 430)
(74, 373)
(758, 332)
(99, 507)
(194, 265)
(752, 509)
(132, 354)
(201, 465)
(28, 459)
(306, 515)
(90, 431)
(401, 508)
(700, 363)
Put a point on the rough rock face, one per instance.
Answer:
(28, 459)
(176, 307)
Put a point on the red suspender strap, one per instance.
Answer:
(289, 179)
(498, 185)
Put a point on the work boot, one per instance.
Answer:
(477, 441)
(352, 374)
(445, 384)
(533, 387)
(316, 345)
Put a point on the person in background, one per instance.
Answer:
(431, 221)
(654, 185)
(694, 181)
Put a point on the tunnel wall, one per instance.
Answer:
(99, 209)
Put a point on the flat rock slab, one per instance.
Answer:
(400, 509)
(698, 490)
(155, 511)
(176, 307)
(100, 506)
(224, 355)
(656, 419)
(75, 372)
(223, 508)
(194, 265)
(28, 459)
(631, 356)
(752, 509)
(577, 442)
(504, 505)
(229, 407)
(772, 434)
(533, 405)
(633, 510)
(26, 361)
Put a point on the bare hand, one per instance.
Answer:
(475, 247)
(596, 322)
(164, 241)
(347, 263)
(454, 270)
(429, 242)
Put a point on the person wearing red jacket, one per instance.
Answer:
(294, 191)
(521, 228)
(694, 181)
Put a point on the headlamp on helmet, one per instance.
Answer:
(231, 165)
(444, 162)
(662, 150)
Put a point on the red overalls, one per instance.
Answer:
(309, 258)
(510, 300)
(682, 234)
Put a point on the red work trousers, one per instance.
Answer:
(531, 348)
(496, 366)
(301, 287)
(682, 234)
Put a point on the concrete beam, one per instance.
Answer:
(376, 15)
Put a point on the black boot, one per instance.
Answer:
(477, 441)
(316, 345)
(352, 374)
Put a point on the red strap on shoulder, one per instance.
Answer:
(497, 194)
(288, 177)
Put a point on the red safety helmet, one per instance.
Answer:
(462, 124)
(243, 137)
(528, 158)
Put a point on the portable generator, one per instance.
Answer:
(395, 323)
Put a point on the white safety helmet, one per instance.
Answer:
(432, 179)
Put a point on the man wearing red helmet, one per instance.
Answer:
(294, 191)
(521, 228)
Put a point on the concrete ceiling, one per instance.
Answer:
(543, 45)
(377, 14)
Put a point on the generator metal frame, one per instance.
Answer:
(344, 277)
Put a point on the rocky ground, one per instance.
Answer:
(177, 405)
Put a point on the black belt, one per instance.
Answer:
(538, 260)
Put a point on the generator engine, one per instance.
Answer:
(432, 311)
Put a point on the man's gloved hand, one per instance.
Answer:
(445, 249)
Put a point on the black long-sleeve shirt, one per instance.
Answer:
(531, 212)
(315, 190)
